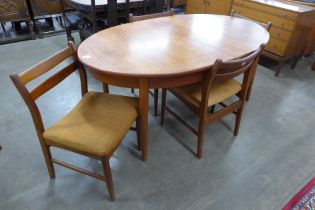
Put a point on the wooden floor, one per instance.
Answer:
(270, 160)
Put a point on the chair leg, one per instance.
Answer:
(156, 101)
(105, 88)
(249, 90)
(238, 120)
(48, 160)
(164, 91)
(201, 135)
(138, 127)
(132, 90)
(108, 178)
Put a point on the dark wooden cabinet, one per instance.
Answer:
(15, 10)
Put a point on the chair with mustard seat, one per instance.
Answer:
(217, 86)
(132, 18)
(266, 26)
(94, 127)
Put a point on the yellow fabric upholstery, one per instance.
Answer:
(219, 92)
(96, 125)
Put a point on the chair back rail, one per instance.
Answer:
(230, 69)
(46, 65)
(38, 70)
(233, 68)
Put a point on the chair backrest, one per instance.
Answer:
(233, 68)
(221, 71)
(267, 26)
(151, 16)
(21, 80)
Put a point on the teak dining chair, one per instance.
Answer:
(267, 26)
(146, 17)
(218, 85)
(95, 126)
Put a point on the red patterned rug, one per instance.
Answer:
(303, 200)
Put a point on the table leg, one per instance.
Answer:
(143, 111)
(313, 66)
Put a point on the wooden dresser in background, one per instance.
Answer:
(221, 7)
(290, 34)
(310, 46)
(291, 26)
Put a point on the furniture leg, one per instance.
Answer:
(0, 147)
(212, 108)
(295, 61)
(249, 90)
(201, 135)
(105, 88)
(3, 28)
(38, 28)
(313, 66)
(49, 162)
(164, 91)
(50, 22)
(66, 25)
(279, 67)
(156, 100)
(143, 109)
(108, 178)
(238, 119)
(138, 129)
(31, 29)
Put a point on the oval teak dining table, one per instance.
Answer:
(166, 52)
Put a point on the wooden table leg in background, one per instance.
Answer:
(313, 66)
(143, 109)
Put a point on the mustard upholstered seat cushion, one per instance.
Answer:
(96, 125)
(219, 92)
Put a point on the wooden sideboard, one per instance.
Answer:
(291, 26)
(221, 7)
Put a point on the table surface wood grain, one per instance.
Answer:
(170, 45)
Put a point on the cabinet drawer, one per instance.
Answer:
(265, 17)
(280, 34)
(195, 6)
(267, 9)
(277, 46)
(219, 7)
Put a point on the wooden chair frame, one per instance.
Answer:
(220, 71)
(21, 80)
(132, 18)
(266, 26)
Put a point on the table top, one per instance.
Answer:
(174, 45)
